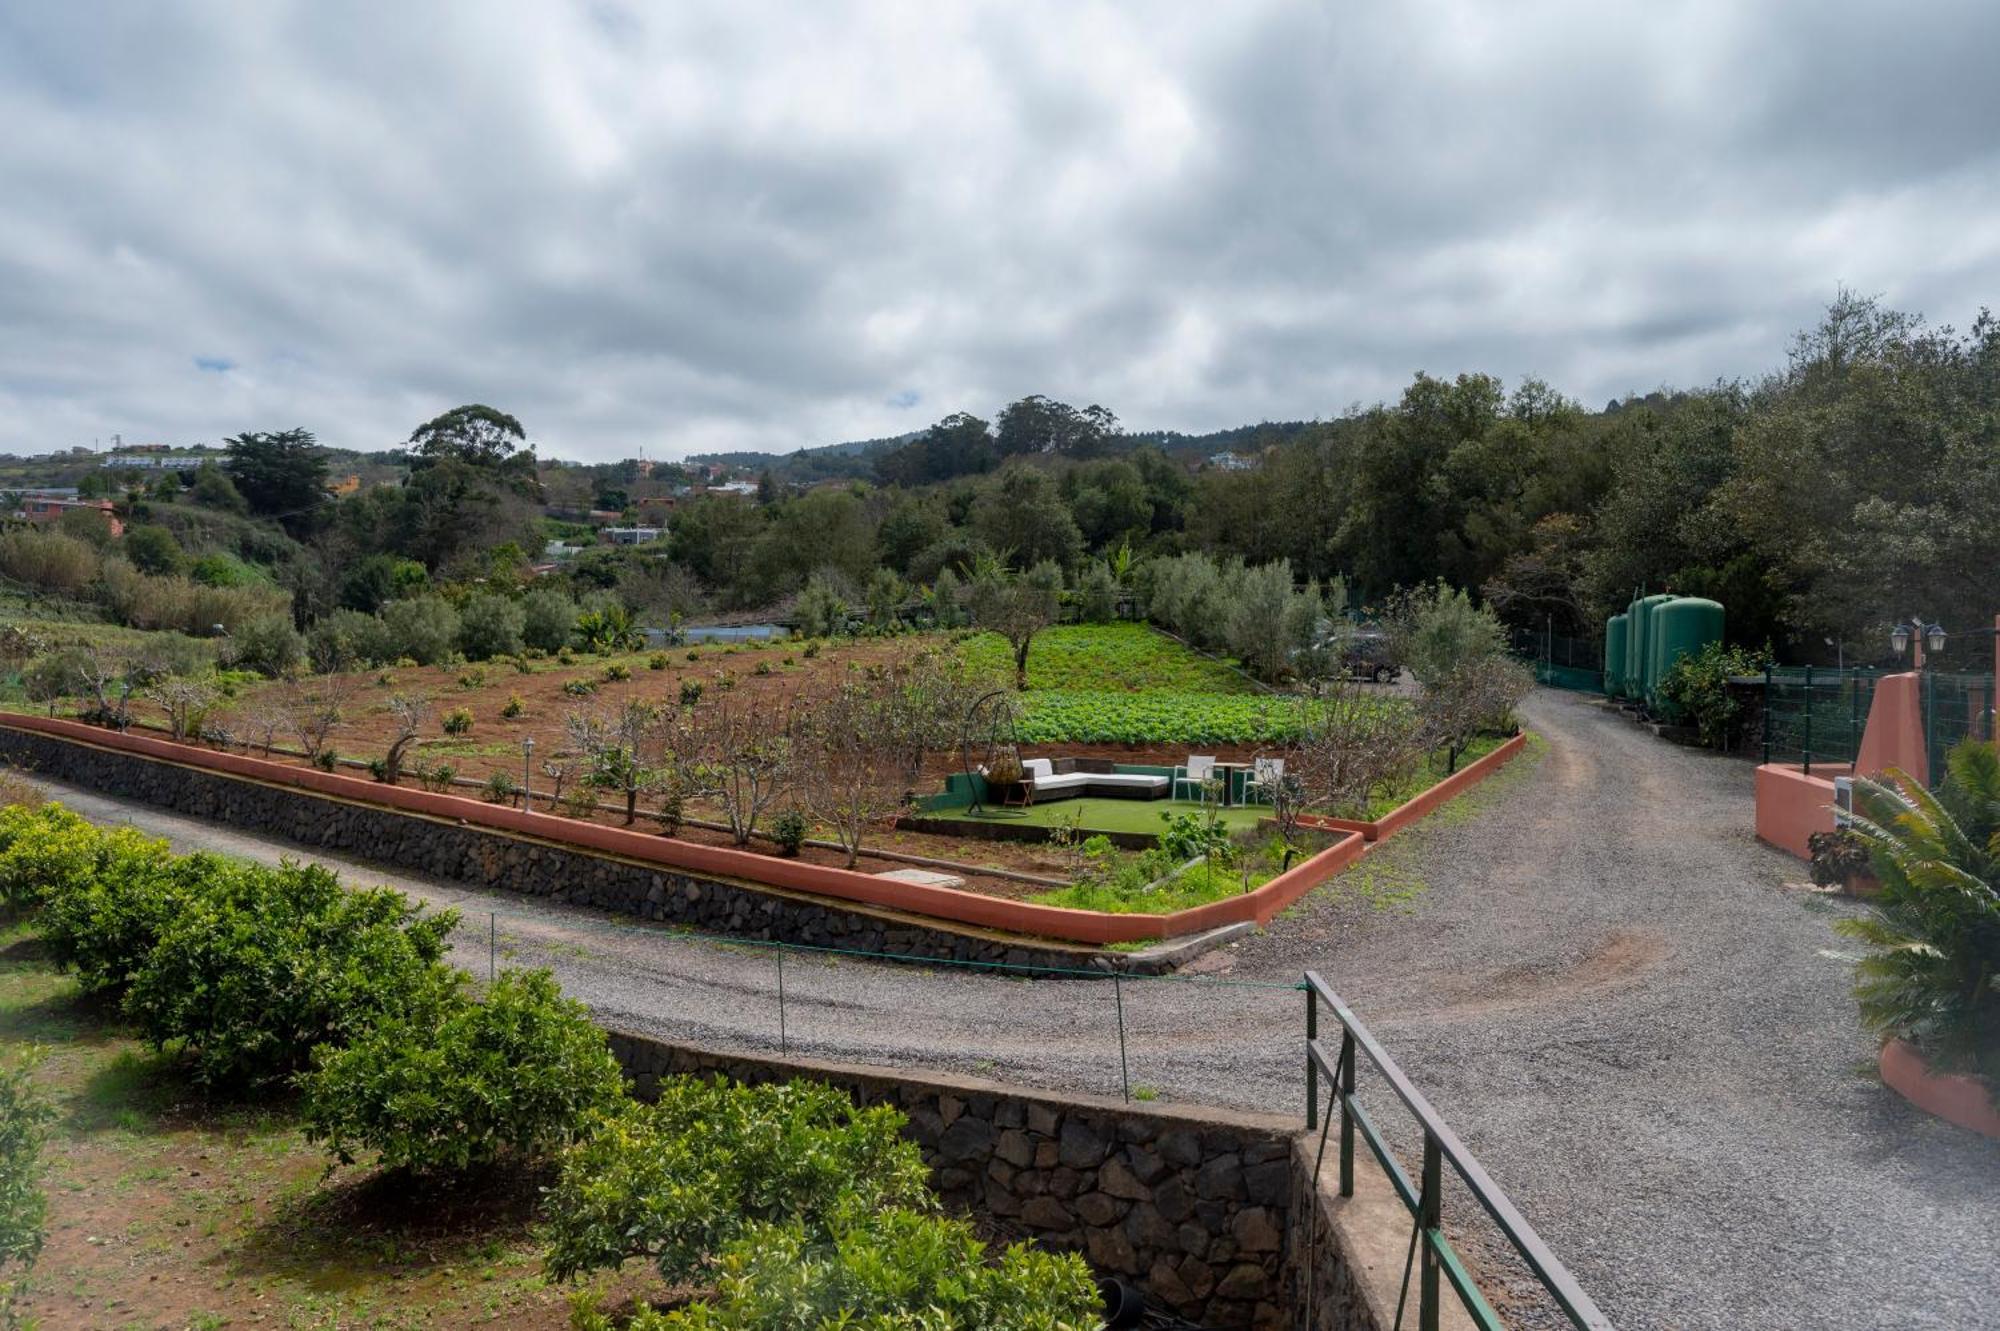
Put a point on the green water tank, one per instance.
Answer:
(1639, 658)
(1681, 627)
(1614, 655)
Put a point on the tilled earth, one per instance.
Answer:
(1590, 966)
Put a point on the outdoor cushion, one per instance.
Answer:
(1135, 780)
(1038, 768)
(1071, 781)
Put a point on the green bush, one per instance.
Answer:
(690, 692)
(458, 721)
(513, 1075)
(268, 645)
(1934, 936)
(45, 852)
(490, 626)
(657, 661)
(548, 618)
(423, 628)
(106, 929)
(265, 964)
(513, 707)
(1696, 691)
(677, 1180)
(499, 789)
(153, 550)
(25, 1116)
(343, 640)
(789, 830)
(891, 1270)
(616, 672)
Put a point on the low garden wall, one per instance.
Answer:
(1194, 1205)
(64, 748)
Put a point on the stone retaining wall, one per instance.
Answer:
(481, 857)
(1189, 1204)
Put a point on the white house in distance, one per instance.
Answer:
(1226, 461)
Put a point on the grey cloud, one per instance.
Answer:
(767, 225)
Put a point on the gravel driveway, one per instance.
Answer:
(1590, 966)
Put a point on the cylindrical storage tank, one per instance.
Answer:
(1630, 680)
(1638, 666)
(1681, 627)
(1614, 655)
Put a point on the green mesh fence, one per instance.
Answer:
(1816, 716)
(1561, 662)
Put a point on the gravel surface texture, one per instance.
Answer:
(1603, 982)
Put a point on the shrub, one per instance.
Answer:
(1935, 932)
(1097, 594)
(268, 645)
(343, 640)
(153, 550)
(105, 931)
(789, 830)
(45, 852)
(515, 1074)
(490, 625)
(694, 654)
(437, 779)
(691, 690)
(265, 964)
(1696, 691)
(548, 617)
(821, 610)
(811, 652)
(579, 688)
(580, 801)
(49, 560)
(458, 721)
(657, 661)
(326, 760)
(607, 629)
(616, 672)
(1435, 630)
(513, 706)
(474, 678)
(423, 628)
(25, 1116)
(676, 1180)
(895, 1268)
(499, 789)
(1837, 857)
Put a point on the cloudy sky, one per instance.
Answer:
(683, 227)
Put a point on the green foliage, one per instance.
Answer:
(579, 688)
(1161, 880)
(1696, 690)
(437, 779)
(821, 610)
(107, 927)
(344, 640)
(280, 474)
(422, 628)
(657, 661)
(1932, 975)
(690, 693)
(676, 1181)
(499, 789)
(458, 721)
(608, 629)
(1097, 594)
(461, 1084)
(513, 707)
(266, 963)
(1435, 629)
(268, 645)
(1158, 716)
(789, 830)
(616, 672)
(1102, 657)
(490, 626)
(45, 852)
(153, 550)
(25, 1118)
(897, 1270)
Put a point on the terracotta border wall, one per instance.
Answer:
(951, 904)
(1381, 829)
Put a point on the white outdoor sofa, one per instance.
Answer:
(1065, 777)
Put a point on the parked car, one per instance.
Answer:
(1367, 657)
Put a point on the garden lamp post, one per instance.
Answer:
(527, 768)
(1924, 636)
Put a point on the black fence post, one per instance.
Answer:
(1312, 1068)
(1346, 1089)
(1430, 1221)
(1767, 715)
(1807, 769)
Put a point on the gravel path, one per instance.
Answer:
(1590, 966)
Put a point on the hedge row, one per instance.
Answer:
(795, 1207)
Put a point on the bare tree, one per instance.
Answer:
(748, 761)
(265, 723)
(1354, 744)
(186, 702)
(1473, 698)
(932, 692)
(615, 749)
(850, 752)
(312, 708)
(110, 680)
(1016, 606)
(411, 713)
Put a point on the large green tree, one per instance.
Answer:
(280, 475)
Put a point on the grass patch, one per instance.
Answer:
(1106, 815)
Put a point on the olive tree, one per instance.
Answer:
(1017, 606)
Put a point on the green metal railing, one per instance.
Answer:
(1424, 1199)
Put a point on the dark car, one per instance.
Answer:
(1367, 657)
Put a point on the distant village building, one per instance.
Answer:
(47, 509)
(155, 457)
(1227, 461)
(631, 535)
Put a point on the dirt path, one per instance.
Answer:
(1591, 968)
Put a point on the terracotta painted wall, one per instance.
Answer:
(1791, 806)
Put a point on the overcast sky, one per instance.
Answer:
(769, 226)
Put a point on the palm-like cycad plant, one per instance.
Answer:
(1933, 973)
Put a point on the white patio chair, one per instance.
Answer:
(1265, 774)
(1197, 772)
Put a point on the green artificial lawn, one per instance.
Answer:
(1104, 815)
